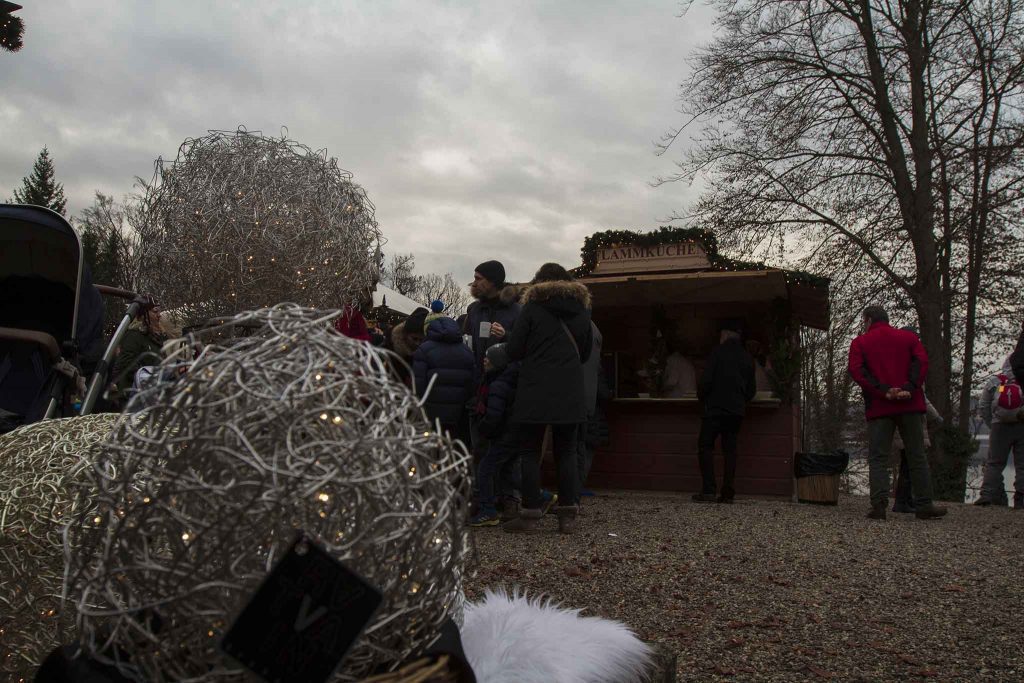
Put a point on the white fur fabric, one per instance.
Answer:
(514, 639)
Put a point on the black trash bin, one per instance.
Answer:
(817, 476)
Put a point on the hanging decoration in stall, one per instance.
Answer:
(784, 351)
(704, 240)
(661, 328)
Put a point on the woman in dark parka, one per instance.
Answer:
(552, 339)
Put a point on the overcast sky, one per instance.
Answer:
(505, 130)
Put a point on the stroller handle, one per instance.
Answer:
(99, 378)
(40, 339)
(107, 290)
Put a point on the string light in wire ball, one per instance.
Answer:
(240, 221)
(291, 427)
(40, 463)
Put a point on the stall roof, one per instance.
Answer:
(384, 296)
(810, 304)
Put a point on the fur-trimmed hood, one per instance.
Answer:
(400, 342)
(547, 293)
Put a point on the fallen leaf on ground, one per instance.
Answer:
(818, 671)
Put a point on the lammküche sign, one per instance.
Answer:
(638, 259)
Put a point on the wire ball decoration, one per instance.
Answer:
(40, 463)
(291, 427)
(240, 221)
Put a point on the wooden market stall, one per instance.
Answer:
(660, 296)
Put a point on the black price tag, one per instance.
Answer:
(304, 617)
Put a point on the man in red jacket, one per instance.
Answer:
(890, 367)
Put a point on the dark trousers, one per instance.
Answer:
(903, 493)
(584, 456)
(500, 471)
(728, 427)
(531, 440)
(880, 433)
(480, 443)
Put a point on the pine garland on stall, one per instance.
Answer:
(672, 235)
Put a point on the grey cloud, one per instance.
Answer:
(511, 129)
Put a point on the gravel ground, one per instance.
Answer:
(773, 591)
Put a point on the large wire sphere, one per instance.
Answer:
(293, 427)
(240, 220)
(39, 465)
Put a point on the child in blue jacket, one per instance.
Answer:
(443, 358)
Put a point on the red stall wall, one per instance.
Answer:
(654, 446)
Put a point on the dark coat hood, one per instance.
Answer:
(444, 330)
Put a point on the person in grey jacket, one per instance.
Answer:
(591, 377)
(1003, 437)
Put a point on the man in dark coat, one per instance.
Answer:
(552, 339)
(489, 320)
(725, 388)
(890, 366)
(443, 356)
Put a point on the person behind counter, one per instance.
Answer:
(680, 377)
(725, 387)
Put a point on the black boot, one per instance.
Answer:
(877, 511)
(904, 506)
(931, 511)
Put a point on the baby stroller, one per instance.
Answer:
(51, 319)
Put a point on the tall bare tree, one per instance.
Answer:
(400, 274)
(444, 287)
(882, 136)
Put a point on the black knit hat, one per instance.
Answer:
(492, 271)
(416, 320)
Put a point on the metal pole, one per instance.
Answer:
(99, 377)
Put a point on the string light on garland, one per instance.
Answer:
(292, 426)
(239, 219)
(11, 27)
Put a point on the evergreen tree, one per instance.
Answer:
(40, 188)
(11, 29)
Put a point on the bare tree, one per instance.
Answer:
(444, 287)
(111, 248)
(400, 274)
(877, 136)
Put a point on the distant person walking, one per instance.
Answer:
(1001, 409)
(890, 366)
(552, 339)
(726, 386)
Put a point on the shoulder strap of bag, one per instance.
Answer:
(572, 339)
